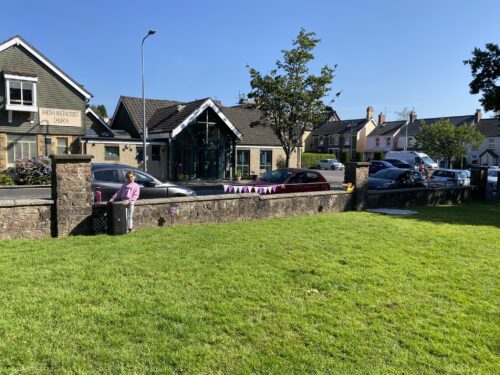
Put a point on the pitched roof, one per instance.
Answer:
(489, 127)
(388, 128)
(340, 127)
(242, 118)
(18, 40)
(168, 118)
(414, 127)
(134, 108)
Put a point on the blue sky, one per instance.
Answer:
(390, 54)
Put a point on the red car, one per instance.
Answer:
(294, 180)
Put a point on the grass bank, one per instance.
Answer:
(340, 293)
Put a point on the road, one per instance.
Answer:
(335, 178)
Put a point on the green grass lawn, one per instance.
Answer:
(334, 293)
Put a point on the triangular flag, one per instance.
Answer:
(225, 188)
(273, 188)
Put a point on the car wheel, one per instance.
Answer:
(332, 167)
(318, 167)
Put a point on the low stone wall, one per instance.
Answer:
(239, 207)
(25, 218)
(418, 197)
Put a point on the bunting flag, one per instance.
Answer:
(226, 187)
(252, 189)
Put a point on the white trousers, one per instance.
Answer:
(129, 212)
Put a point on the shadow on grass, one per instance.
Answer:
(475, 213)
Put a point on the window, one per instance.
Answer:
(20, 147)
(243, 163)
(109, 175)
(377, 142)
(111, 153)
(138, 154)
(141, 178)
(330, 139)
(155, 152)
(336, 140)
(321, 140)
(315, 142)
(266, 161)
(388, 142)
(62, 145)
(347, 140)
(20, 92)
(491, 143)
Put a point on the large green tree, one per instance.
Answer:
(444, 140)
(485, 68)
(291, 99)
(100, 110)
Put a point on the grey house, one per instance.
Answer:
(42, 109)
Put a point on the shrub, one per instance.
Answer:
(359, 156)
(310, 160)
(281, 162)
(34, 171)
(377, 155)
(344, 157)
(5, 179)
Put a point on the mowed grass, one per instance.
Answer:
(334, 293)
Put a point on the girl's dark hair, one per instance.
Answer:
(130, 173)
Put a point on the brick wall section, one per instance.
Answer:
(25, 218)
(71, 192)
(3, 152)
(239, 207)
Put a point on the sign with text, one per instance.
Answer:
(61, 117)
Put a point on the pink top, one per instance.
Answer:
(127, 192)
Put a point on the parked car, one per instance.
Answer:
(332, 164)
(492, 177)
(396, 178)
(294, 180)
(413, 157)
(109, 177)
(449, 178)
(378, 165)
(400, 163)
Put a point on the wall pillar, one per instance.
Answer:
(3, 152)
(357, 174)
(479, 178)
(72, 195)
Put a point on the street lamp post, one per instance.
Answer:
(144, 129)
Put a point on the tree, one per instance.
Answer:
(446, 141)
(404, 114)
(485, 68)
(289, 97)
(100, 110)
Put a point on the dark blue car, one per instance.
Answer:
(378, 165)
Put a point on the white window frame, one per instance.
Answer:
(388, 142)
(347, 140)
(377, 142)
(491, 144)
(31, 143)
(9, 78)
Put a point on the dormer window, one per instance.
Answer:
(20, 93)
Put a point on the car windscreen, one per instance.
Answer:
(276, 177)
(141, 178)
(493, 173)
(427, 160)
(388, 174)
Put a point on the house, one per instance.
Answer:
(488, 153)
(335, 136)
(400, 134)
(199, 139)
(42, 109)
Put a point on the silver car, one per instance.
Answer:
(107, 178)
(449, 178)
(332, 164)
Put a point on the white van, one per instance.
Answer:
(413, 157)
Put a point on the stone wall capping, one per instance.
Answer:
(71, 157)
(25, 202)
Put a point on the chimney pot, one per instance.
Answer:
(478, 116)
(413, 116)
(369, 112)
(381, 118)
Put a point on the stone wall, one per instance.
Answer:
(418, 197)
(25, 218)
(239, 207)
(72, 195)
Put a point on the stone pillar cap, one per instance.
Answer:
(73, 157)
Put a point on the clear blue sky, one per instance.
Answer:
(390, 54)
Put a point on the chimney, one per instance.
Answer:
(218, 103)
(369, 113)
(478, 116)
(413, 116)
(381, 118)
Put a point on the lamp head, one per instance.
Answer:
(151, 32)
